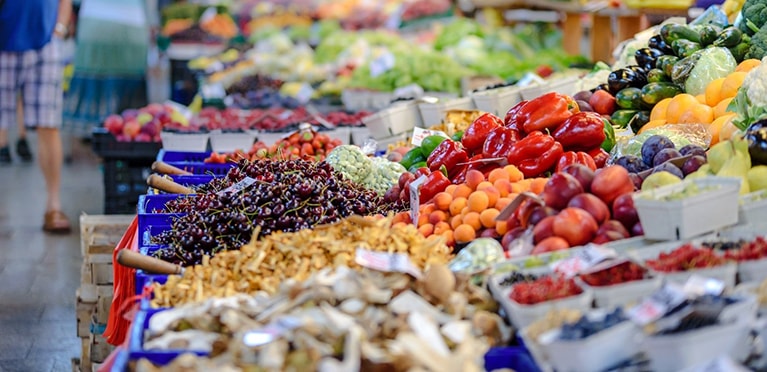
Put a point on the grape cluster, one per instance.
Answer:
(286, 196)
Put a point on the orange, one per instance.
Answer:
(456, 221)
(437, 217)
(478, 201)
(659, 110)
(441, 227)
(518, 187)
(715, 128)
(680, 104)
(464, 234)
(462, 191)
(701, 98)
(487, 217)
(728, 129)
(699, 114)
(426, 229)
(652, 124)
(442, 200)
(514, 173)
(731, 84)
(721, 108)
(474, 178)
(472, 219)
(503, 186)
(713, 90)
(456, 205)
(502, 203)
(498, 174)
(748, 65)
(465, 211)
(401, 217)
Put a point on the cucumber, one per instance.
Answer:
(653, 93)
(685, 48)
(708, 34)
(639, 120)
(621, 118)
(672, 32)
(666, 63)
(657, 76)
(728, 38)
(629, 98)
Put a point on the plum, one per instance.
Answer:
(669, 167)
(665, 155)
(632, 163)
(692, 164)
(692, 150)
(584, 106)
(653, 145)
(637, 180)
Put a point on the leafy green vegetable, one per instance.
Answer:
(758, 48)
(754, 13)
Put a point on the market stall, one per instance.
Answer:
(583, 219)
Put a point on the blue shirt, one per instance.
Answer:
(27, 24)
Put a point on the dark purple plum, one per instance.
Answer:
(653, 145)
(669, 167)
(693, 164)
(665, 155)
(584, 106)
(692, 150)
(632, 163)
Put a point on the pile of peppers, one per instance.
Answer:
(538, 136)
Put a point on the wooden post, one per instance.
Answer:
(601, 38)
(572, 33)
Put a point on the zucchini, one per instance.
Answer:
(621, 118)
(657, 76)
(629, 98)
(653, 93)
(685, 48)
(666, 63)
(708, 34)
(728, 38)
(672, 32)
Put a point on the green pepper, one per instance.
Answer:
(413, 156)
(416, 166)
(609, 141)
(457, 136)
(430, 143)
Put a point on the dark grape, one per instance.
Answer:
(692, 150)
(665, 155)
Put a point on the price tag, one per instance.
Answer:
(419, 134)
(382, 63)
(658, 304)
(239, 186)
(270, 332)
(305, 93)
(698, 286)
(387, 262)
(415, 200)
(582, 260)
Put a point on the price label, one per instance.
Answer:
(387, 262)
(239, 186)
(382, 63)
(419, 134)
(415, 198)
(583, 260)
(658, 304)
(698, 286)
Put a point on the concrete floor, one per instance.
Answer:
(39, 273)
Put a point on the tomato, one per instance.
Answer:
(602, 102)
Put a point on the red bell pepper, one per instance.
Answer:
(435, 183)
(448, 154)
(512, 117)
(546, 112)
(499, 141)
(535, 154)
(474, 136)
(571, 157)
(600, 156)
(581, 131)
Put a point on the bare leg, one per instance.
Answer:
(3, 138)
(51, 158)
(20, 118)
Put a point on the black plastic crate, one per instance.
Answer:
(106, 146)
(124, 182)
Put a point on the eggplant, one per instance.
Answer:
(620, 79)
(656, 42)
(647, 57)
(641, 76)
(756, 135)
(602, 86)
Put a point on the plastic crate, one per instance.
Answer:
(106, 146)
(397, 119)
(193, 142)
(124, 182)
(136, 346)
(516, 358)
(188, 181)
(149, 211)
(151, 231)
(143, 278)
(214, 169)
(182, 156)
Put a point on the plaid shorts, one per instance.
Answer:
(37, 76)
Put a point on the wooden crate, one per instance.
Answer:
(101, 273)
(85, 352)
(100, 233)
(90, 293)
(102, 309)
(99, 349)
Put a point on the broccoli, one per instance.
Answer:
(758, 48)
(754, 14)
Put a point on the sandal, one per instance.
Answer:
(56, 222)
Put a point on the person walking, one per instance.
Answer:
(30, 65)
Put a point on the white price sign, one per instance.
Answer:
(239, 186)
(415, 198)
(658, 304)
(419, 134)
(583, 260)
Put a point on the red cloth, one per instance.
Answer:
(118, 325)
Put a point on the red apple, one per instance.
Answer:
(611, 182)
(114, 124)
(403, 178)
(559, 189)
(624, 211)
(131, 128)
(151, 128)
(582, 173)
(154, 108)
(551, 244)
(575, 225)
(129, 114)
(590, 203)
(615, 227)
(142, 137)
(543, 229)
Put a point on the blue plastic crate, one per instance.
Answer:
(182, 156)
(136, 346)
(517, 358)
(142, 278)
(214, 169)
(151, 231)
(185, 180)
(145, 303)
(148, 210)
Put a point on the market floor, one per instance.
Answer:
(39, 273)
